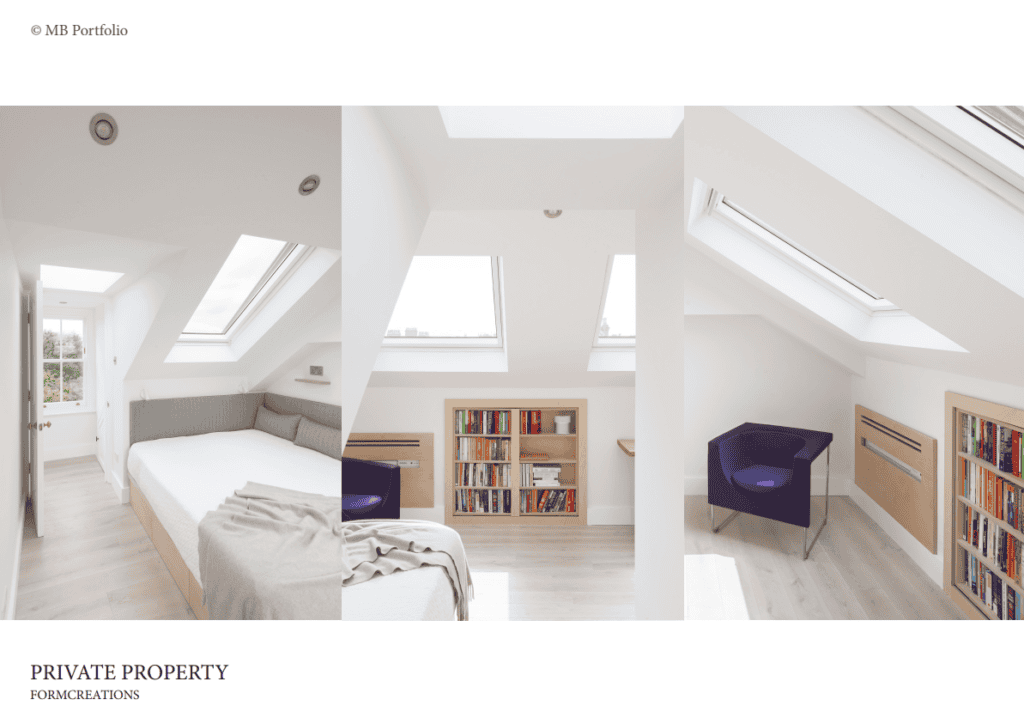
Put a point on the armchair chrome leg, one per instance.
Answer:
(807, 551)
(724, 522)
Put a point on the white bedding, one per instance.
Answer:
(184, 478)
(424, 594)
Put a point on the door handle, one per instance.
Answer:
(41, 425)
(46, 425)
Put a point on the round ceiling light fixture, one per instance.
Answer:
(552, 214)
(309, 184)
(103, 129)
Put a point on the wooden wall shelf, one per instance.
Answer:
(517, 503)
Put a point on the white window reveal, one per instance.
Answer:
(617, 320)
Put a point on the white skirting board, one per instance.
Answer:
(11, 603)
(712, 589)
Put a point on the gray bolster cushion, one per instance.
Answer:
(319, 437)
(281, 425)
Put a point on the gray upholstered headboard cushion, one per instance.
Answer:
(321, 412)
(321, 438)
(179, 416)
(284, 426)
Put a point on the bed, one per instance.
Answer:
(189, 455)
(421, 594)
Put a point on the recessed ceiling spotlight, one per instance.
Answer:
(309, 184)
(63, 302)
(103, 129)
(552, 214)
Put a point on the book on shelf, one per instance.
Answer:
(548, 501)
(997, 444)
(483, 501)
(484, 475)
(523, 455)
(483, 422)
(998, 496)
(529, 422)
(483, 448)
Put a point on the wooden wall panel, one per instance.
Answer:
(417, 483)
(913, 503)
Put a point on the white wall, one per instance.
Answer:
(327, 356)
(660, 499)
(916, 397)
(71, 435)
(382, 217)
(742, 369)
(12, 498)
(610, 416)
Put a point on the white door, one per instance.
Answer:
(36, 408)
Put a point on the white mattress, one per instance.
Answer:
(184, 478)
(423, 594)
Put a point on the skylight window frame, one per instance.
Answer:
(496, 342)
(798, 257)
(610, 342)
(284, 266)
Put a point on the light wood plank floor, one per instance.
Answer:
(855, 571)
(553, 573)
(95, 560)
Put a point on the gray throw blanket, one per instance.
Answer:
(381, 547)
(269, 552)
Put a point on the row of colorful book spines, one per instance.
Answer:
(995, 545)
(484, 475)
(548, 501)
(989, 587)
(483, 422)
(482, 448)
(483, 501)
(998, 496)
(997, 444)
(529, 422)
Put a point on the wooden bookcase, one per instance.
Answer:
(958, 508)
(568, 451)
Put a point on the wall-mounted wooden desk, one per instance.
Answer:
(628, 447)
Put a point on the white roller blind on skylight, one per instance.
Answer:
(446, 297)
(245, 273)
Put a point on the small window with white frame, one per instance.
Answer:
(448, 301)
(616, 325)
(64, 364)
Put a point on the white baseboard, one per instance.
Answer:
(11, 604)
(694, 485)
(69, 451)
(122, 492)
(610, 515)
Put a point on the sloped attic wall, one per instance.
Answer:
(383, 214)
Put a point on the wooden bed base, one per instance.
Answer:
(186, 582)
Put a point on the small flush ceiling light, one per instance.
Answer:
(63, 302)
(552, 214)
(103, 129)
(309, 184)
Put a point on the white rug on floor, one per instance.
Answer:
(711, 589)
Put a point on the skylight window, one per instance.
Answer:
(1007, 121)
(618, 307)
(250, 272)
(562, 122)
(79, 280)
(448, 300)
(788, 249)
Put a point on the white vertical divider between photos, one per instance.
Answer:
(383, 213)
(659, 492)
